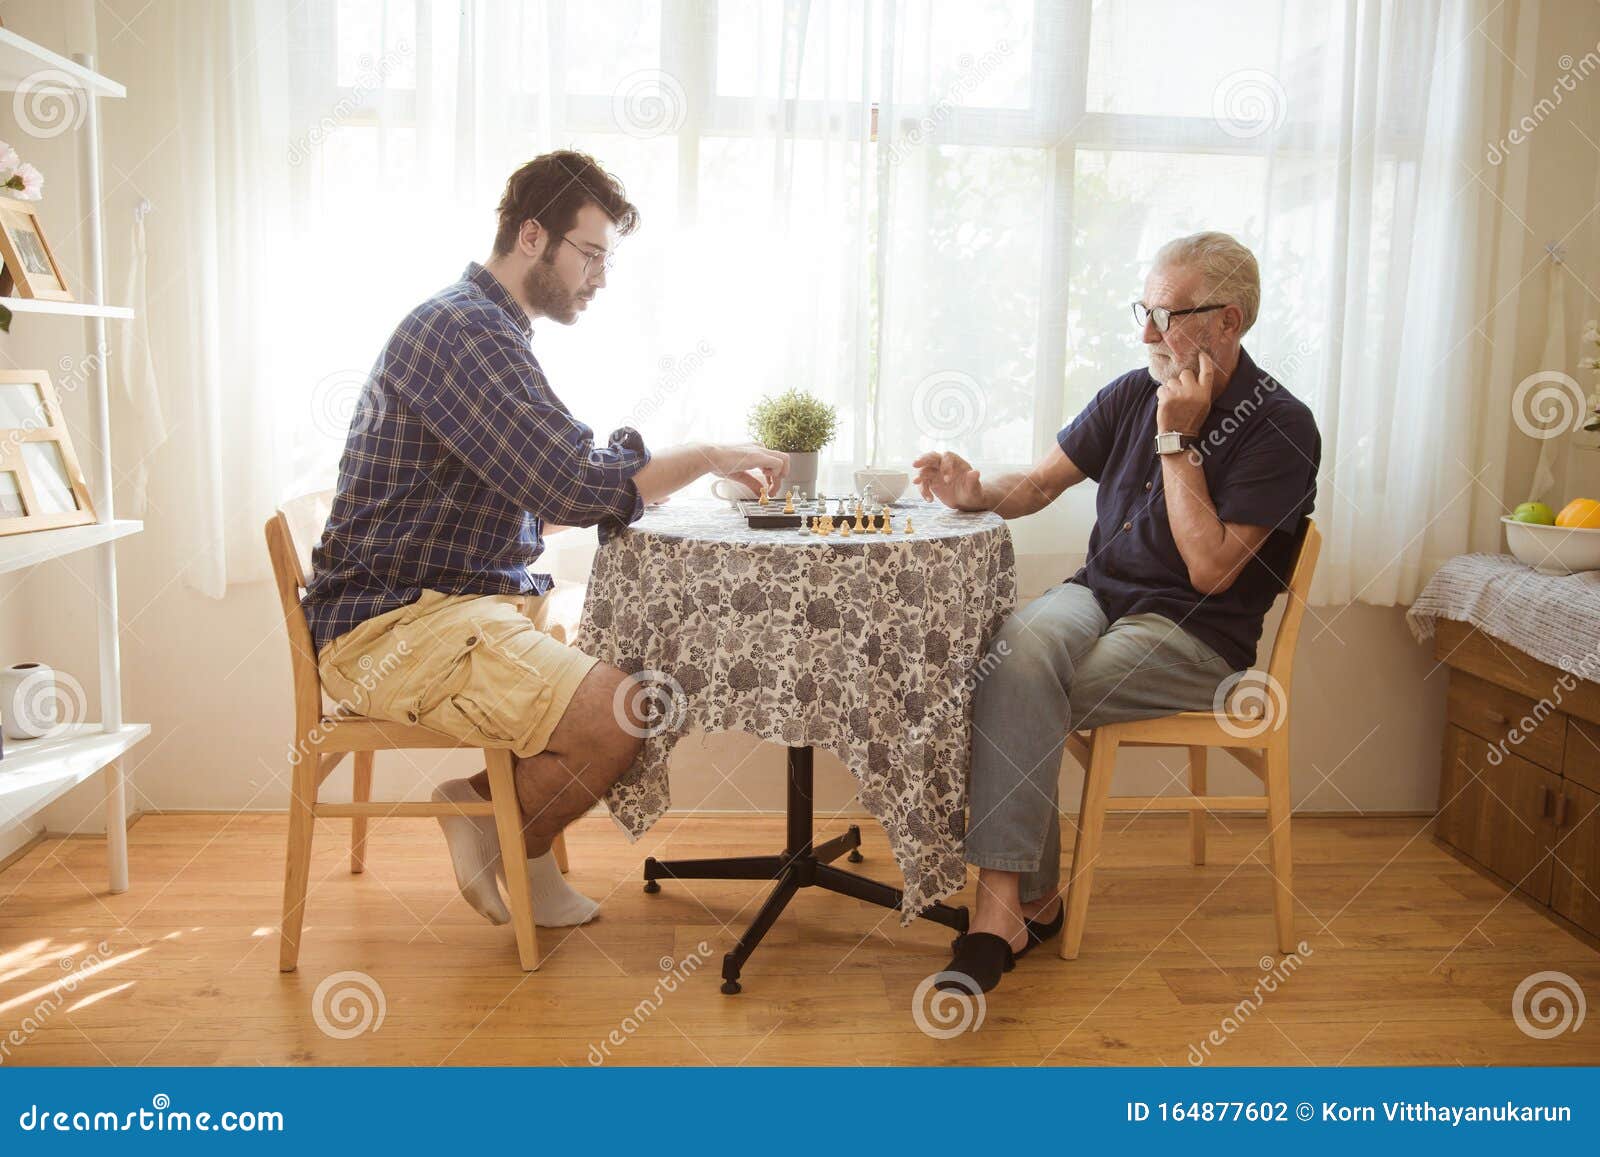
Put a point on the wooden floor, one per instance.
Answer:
(1414, 958)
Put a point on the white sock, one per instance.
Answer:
(556, 903)
(474, 851)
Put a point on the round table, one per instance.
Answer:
(868, 646)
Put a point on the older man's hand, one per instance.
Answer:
(1183, 403)
(951, 479)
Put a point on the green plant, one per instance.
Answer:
(793, 422)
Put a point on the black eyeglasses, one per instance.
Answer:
(1163, 316)
(605, 257)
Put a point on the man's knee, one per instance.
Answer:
(599, 727)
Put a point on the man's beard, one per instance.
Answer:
(1165, 367)
(548, 297)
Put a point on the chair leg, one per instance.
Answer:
(508, 822)
(1197, 816)
(297, 861)
(1278, 806)
(1086, 849)
(560, 849)
(361, 792)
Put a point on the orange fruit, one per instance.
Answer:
(1584, 512)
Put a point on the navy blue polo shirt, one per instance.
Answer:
(1260, 450)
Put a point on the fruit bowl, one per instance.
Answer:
(1557, 550)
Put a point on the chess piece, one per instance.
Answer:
(883, 522)
(805, 525)
(908, 524)
(888, 523)
(858, 518)
(846, 530)
(788, 503)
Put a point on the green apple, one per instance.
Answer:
(1534, 512)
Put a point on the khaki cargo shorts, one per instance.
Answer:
(488, 670)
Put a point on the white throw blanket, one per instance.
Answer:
(1556, 620)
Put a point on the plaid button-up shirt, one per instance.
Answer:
(458, 451)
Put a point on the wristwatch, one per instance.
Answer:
(1172, 442)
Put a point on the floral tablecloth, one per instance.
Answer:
(869, 647)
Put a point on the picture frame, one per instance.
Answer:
(41, 482)
(30, 264)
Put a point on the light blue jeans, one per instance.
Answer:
(1059, 665)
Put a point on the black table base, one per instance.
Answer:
(802, 864)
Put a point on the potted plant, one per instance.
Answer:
(799, 425)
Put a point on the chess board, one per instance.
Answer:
(771, 516)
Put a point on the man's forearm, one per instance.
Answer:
(672, 469)
(1012, 496)
(1198, 531)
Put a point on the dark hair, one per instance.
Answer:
(550, 189)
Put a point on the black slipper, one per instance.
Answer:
(981, 959)
(1038, 933)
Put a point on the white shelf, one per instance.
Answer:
(66, 308)
(20, 551)
(35, 772)
(21, 58)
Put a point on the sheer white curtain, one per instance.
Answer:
(933, 215)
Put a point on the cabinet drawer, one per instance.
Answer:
(1573, 891)
(1582, 761)
(1500, 811)
(1534, 730)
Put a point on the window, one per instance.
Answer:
(959, 278)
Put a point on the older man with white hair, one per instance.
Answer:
(1206, 466)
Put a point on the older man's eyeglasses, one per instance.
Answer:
(1163, 316)
(605, 257)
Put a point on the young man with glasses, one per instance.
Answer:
(460, 458)
(1205, 466)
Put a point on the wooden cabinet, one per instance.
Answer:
(1519, 783)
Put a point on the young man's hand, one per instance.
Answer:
(750, 464)
(951, 479)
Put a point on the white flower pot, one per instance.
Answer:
(802, 476)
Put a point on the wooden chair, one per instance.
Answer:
(322, 739)
(1259, 742)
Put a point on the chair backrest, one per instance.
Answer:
(1280, 664)
(291, 532)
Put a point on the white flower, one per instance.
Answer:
(32, 182)
(8, 162)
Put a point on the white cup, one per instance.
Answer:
(882, 486)
(732, 491)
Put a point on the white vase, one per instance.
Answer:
(29, 706)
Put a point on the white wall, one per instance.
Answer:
(212, 676)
